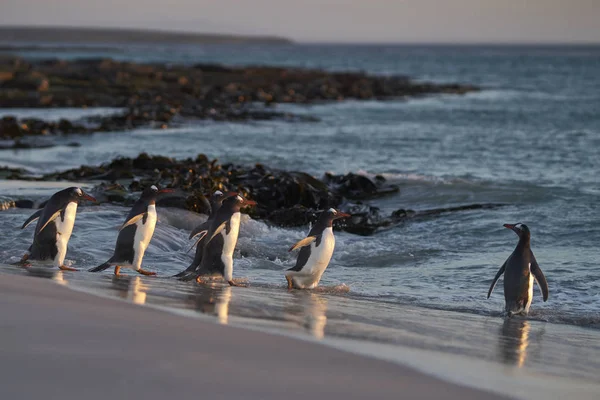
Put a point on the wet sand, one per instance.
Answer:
(59, 343)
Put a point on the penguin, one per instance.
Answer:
(54, 227)
(520, 269)
(315, 252)
(220, 241)
(135, 234)
(200, 232)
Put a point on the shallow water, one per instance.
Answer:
(530, 140)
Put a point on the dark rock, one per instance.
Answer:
(285, 198)
(24, 203)
(154, 94)
(358, 187)
(27, 80)
(9, 128)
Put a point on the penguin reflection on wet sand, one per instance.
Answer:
(135, 234)
(199, 233)
(54, 227)
(520, 269)
(315, 252)
(220, 242)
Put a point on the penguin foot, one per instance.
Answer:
(146, 273)
(117, 269)
(290, 283)
(199, 279)
(232, 283)
(65, 268)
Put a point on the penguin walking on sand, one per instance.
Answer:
(135, 234)
(520, 269)
(315, 252)
(54, 227)
(220, 241)
(199, 233)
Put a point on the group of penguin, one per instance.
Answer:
(215, 242)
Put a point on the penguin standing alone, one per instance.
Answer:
(135, 234)
(54, 227)
(520, 269)
(315, 252)
(221, 239)
(200, 231)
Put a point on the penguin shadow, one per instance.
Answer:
(309, 310)
(212, 299)
(130, 288)
(514, 340)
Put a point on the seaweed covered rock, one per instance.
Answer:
(285, 198)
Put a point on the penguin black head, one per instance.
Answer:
(327, 217)
(520, 229)
(74, 195)
(150, 193)
(235, 202)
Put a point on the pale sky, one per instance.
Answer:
(399, 21)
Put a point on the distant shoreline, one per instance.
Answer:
(49, 34)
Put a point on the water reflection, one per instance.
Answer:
(130, 288)
(59, 278)
(514, 340)
(214, 300)
(309, 310)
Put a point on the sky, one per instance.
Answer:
(389, 21)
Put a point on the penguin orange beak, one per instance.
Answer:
(249, 203)
(89, 198)
(512, 227)
(166, 191)
(341, 215)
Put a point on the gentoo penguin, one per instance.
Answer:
(200, 232)
(221, 239)
(135, 234)
(520, 269)
(315, 252)
(54, 226)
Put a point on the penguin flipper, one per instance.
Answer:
(216, 232)
(33, 217)
(202, 235)
(304, 242)
(200, 229)
(539, 276)
(101, 267)
(133, 220)
(498, 275)
(46, 222)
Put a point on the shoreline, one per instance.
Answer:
(436, 363)
(92, 341)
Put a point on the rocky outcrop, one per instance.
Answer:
(158, 94)
(285, 198)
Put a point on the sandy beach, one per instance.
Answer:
(59, 343)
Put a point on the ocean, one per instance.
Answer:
(530, 139)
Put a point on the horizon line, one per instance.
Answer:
(463, 42)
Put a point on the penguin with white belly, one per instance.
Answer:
(221, 239)
(54, 227)
(315, 252)
(135, 234)
(520, 269)
(199, 233)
